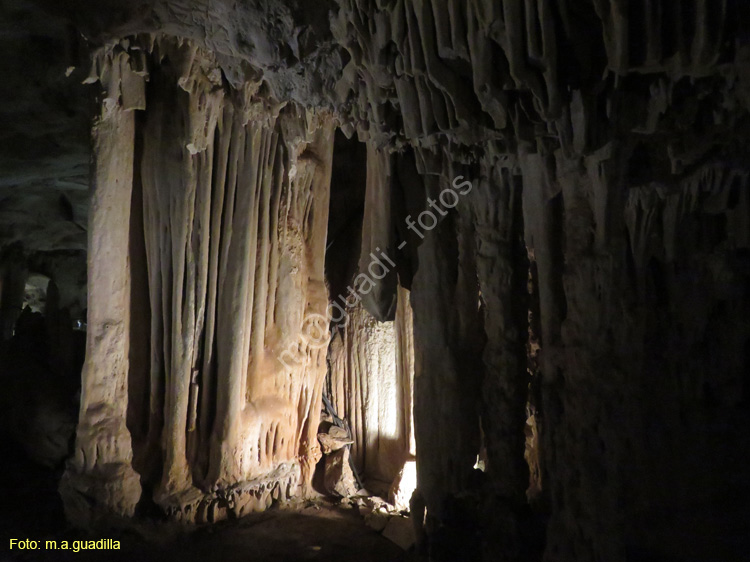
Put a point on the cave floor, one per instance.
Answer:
(30, 508)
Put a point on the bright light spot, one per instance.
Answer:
(404, 486)
(479, 464)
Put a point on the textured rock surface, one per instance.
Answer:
(334, 439)
(44, 148)
(371, 383)
(366, 387)
(602, 149)
(339, 478)
(217, 377)
(400, 531)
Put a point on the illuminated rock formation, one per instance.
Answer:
(371, 385)
(202, 288)
(558, 191)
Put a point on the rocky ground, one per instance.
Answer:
(32, 509)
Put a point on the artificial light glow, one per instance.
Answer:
(404, 485)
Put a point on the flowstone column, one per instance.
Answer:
(99, 484)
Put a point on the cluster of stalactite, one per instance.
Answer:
(606, 139)
(206, 250)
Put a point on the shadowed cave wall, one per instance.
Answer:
(587, 293)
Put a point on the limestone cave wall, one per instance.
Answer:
(562, 188)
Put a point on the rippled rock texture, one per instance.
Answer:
(562, 191)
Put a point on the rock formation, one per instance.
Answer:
(209, 257)
(372, 390)
(557, 194)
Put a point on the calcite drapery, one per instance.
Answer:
(233, 190)
(623, 124)
(371, 384)
(595, 131)
(372, 363)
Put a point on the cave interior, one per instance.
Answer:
(375, 280)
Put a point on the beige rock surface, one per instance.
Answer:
(604, 143)
(334, 439)
(231, 191)
(339, 478)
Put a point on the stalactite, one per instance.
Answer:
(405, 368)
(502, 279)
(608, 136)
(502, 273)
(447, 344)
(377, 238)
(175, 172)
